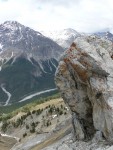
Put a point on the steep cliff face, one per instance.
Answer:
(85, 79)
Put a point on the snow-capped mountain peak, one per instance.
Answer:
(63, 37)
(107, 34)
(17, 38)
(11, 25)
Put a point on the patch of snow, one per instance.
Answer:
(1, 52)
(62, 37)
(21, 36)
(26, 42)
(38, 33)
(7, 60)
(12, 54)
(49, 65)
(54, 116)
(41, 66)
(9, 26)
(10, 136)
(53, 64)
(1, 59)
(61, 34)
(36, 94)
(1, 47)
(29, 59)
(14, 59)
(67, 108)
(31, 37)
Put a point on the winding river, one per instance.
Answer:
(36, 94)
(8, 95)
(25, 98)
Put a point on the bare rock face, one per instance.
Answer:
(85, 79)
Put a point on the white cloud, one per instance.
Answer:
(82, 15)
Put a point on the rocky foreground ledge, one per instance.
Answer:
(85, 79)
(7, 142)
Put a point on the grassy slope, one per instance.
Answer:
(7, 143)
(34, 100)
(10, 111)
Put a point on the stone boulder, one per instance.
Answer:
(85, 79)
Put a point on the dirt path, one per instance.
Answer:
(6, 143)
(53, 138)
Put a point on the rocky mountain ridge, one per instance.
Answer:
(85, 79)
(28, 61)
(108, 35)
(16, 38)
(65, 37)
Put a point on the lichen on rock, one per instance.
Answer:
(85, 79)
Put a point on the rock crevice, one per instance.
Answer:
(85, 79)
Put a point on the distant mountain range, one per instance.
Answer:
(28, 61)
(106, 35)
(65, 37)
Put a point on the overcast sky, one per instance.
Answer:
(81, 15)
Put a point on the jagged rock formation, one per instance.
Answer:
(85, 79)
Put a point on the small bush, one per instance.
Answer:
(32, 130)
(24, 135)
(28, 113)
(37, 122)
(34, 111)
(57, 109)
(27, 126)
(4, 126)
(60, 112)
(61, 106)
(65, 113)
(33, 124)
(18, 122)
(48, 123)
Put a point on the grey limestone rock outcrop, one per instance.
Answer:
(85, 79)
